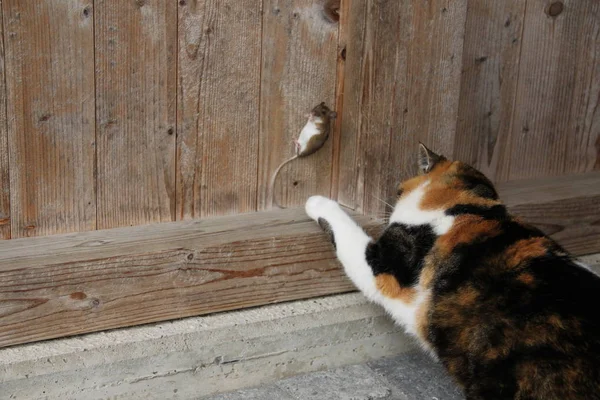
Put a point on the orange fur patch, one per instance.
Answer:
(388, 285)
(466, 229)
(422, 318)
(526, 249)
(526, 278)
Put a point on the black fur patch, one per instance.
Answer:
(400, 252)
(327, 228)
(495, 212)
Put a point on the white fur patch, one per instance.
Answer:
(309, 130)
(351, 245)
(408, 212)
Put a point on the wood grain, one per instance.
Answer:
(566, 207)
(4, 174)
(402, 79)
(129, 276)
(556, 124)
(491, 53)
(50, 99)
(218, 107)
(136, 44)
(299, 54)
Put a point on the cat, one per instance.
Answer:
(504, 308)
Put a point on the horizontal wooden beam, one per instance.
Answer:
(84, 282)
(566, 208)
(76, 283)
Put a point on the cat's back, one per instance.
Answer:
(513, 316)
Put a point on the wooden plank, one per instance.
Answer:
(343, 25)
(402, 82)
(299, 53)
(556, 124)
(4, 174)
(218, 101)
(50, 99)
(136, 44)
(71, 284)
(491, 55)
(567, 208)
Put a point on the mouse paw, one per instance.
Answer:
(321, 207)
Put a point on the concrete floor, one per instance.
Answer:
(410, 376)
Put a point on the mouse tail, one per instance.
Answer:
(274, 178)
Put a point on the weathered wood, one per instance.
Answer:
(70, 284)
(402, 79)
(136, 46)
(491, 54)
(50, 99)
(336, 141)
(556, 125)
(218, 101)
(567, 208)
(298, 72)
(4, 175)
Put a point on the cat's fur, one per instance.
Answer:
(506, 310)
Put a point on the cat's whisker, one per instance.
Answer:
(383, 201)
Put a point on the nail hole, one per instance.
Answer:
(295, 183)
(170, 131)
(182, 2)
(86, 11)
(190, 256)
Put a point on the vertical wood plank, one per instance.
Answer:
(402, 86)
(218, 107)
(298, 72)
(136, 83)
(4, 166)
(50, 89)
(492, 44)
(344, 14)
(556, 123)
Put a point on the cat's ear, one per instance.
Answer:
(427, 159)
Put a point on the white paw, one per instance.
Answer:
(321, 207)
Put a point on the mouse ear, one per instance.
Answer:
(332, 114)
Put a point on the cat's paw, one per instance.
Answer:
(321, 207)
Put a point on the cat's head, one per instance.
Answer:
(441, 185)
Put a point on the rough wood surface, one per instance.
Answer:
(71, 284)
(136, 47)
(50, 100)
(4, 175)
(402, 74)
(556, 127)
(299, 52)
(491, 53)
(218, 107)
(567, 208)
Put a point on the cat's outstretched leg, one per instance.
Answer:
(350, 241)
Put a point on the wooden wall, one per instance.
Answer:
(125, 112)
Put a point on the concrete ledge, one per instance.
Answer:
(205, 355)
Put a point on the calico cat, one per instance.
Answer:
(505, 309)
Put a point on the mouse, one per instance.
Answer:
(312, 137)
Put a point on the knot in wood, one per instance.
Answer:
(555, 9)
